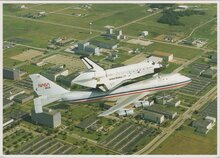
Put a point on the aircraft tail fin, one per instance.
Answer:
(91, 64)
(47, 91)
(43, 86)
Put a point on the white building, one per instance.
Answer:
(211, 119)
(144, 33)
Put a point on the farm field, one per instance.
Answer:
(187, 141)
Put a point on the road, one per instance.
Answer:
(174, 44)
(196, 29)
(134, 21)
(186, 64)
(166, 132)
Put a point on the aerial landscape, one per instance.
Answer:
(109, 79)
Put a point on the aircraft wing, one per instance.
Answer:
(123, 102)
(91, 65)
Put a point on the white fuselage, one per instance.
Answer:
(112, 78)
(155, 84)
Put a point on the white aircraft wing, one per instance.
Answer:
(91, 65)
(123, 102)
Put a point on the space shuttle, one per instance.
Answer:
(106, 80)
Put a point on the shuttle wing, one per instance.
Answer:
(123, 102)
(91, 65)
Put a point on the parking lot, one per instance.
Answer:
(197, 85)
(127, 137)
(46, 145)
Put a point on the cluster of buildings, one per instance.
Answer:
(58, 42)
(196, 42)
(35, 16)
(114, 34)
(167, 100)
(85, 48)
(54, 72)
(12, 94)
(157, 114)
(7, 45)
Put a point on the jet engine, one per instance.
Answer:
(126, 112)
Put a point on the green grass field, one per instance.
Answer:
(8, 53)
(189, 22)
(177, 51)
(37, 34)
(208, 32)
(187, 141)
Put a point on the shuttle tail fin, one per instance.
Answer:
(91, 64)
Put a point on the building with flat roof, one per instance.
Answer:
(163, 111)
(11, 91)
(85, 48)
(54, 72)
(102, 42)
(7, 103)
(209, 73)
(144, 33)
(86, 123)
(166, 56)
(23, 98)
(213, 119)
(12, 74)
(203, 125)
(153, 117)
(173, 102)
(48, 118)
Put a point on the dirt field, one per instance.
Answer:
(72, 63)
(140, 42)
(27, 55)
(136, 59)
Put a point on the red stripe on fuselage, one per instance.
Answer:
(129, 93)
